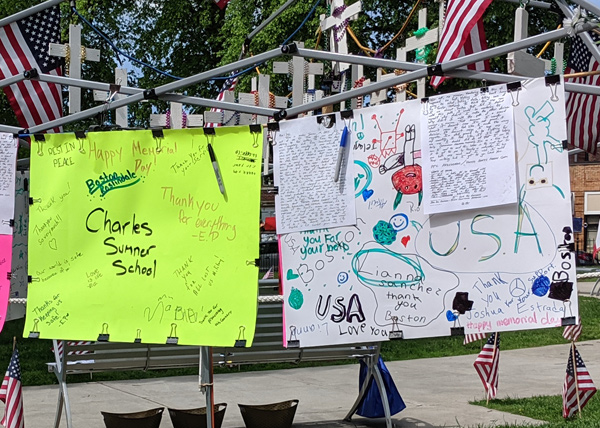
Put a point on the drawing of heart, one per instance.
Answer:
(52, 244)
(306, 274)
(291, 275)
(367, 193)
(405, 240)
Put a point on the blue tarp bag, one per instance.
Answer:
(371, 406)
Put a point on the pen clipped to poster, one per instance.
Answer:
(340, 158)
(213, 159)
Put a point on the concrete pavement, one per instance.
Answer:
(436, 391)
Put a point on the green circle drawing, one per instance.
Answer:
(417, 276)
(296, 298)
(384, 233)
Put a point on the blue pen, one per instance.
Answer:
(340, 157)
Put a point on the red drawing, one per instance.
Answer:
(405, 240)
(408, 180)
(388, 140)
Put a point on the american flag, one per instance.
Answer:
(578, 387)
(462, 34)
(473, 337)
(572, 332)
(229, 85)
(11, 394)
(486, 364)
(23, 46)
(583, 109)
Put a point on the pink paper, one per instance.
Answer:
(5, 268)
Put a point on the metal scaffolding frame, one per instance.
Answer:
(415, 71)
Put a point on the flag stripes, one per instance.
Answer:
(462, 34)
(486, 364)
(11, 394)
(473, 337)
(578, 387)
(24, 46)
(583, 110)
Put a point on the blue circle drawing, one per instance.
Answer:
(399, 222)
(342, 277)
(540, 286)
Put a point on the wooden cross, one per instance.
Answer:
(379, 97)
(176, 119)
(75, 54)
(520, 62)
(261, 97)
(103, 96)
(414, 43)
(300, 70)
(336, 23)
(224, 117)
(559, 56)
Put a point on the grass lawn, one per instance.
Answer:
(35, 353)
(548, 408)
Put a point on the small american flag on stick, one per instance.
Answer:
(486, 365)
(578, 387)
(11, 394)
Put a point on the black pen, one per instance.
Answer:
(215, 165)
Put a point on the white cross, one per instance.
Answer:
(176, 118)
(300, 69)
(261, 97)
(414, 43)
(224, 117)
(520, 62)
(336, 24)
(103, 96)
(559, 55)
(76, 54)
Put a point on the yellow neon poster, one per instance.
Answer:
(131, 238)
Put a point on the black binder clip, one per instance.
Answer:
(241, 341)
(138, 336)
(568, 320)
(34, 334)
(456, 329)
(293, 342)
(395, 333)
(9, 275)
(173, 339)
(103, 336)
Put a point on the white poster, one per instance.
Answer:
(8, 166)
(400, 272)
(468, 150)
(306, 154)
